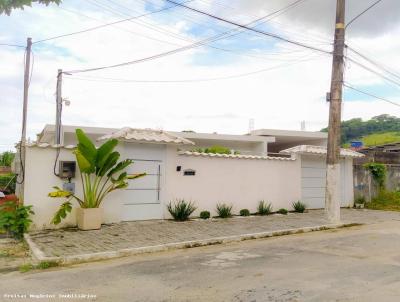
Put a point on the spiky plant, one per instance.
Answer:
(224, 210)
(299, 206)
(181, 210)
(264, 208)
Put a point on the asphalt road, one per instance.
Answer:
(354, 264)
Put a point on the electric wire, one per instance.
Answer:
(12, 45)
(370, 94)
(197, 44)
(120, 80)
(318, 38)
(272, 35)
(107, 24)
(362, 13)
(374, 71)
(371, 61)
(235, 52)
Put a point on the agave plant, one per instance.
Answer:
(101, 174)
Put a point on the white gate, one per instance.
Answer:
(143, 196)
(313, 181)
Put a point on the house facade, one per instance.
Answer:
(277, 166)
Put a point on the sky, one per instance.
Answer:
(218, 86)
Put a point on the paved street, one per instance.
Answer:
(361, 263)
(158, 232)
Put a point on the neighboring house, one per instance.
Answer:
(273, 165)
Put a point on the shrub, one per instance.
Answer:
(244, 212)
(180, 210)
(264, 208)
(6, 158)
(205, 214)
(299, 206)
(282, 211)
(8, 182)
(213, 149)
(360, 199)
(385, 200)
(14, 218)
(378, 172)
(224, 210)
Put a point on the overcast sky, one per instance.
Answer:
(217, 87)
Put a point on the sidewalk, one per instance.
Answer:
(129, 238)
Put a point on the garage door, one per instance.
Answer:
(142, 198)
(313, 182)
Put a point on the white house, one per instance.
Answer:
(277, 166)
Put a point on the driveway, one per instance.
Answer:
(360, 263)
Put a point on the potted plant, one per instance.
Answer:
(101, 174)
(359, 202)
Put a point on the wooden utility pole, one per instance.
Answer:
(27, 79)
(333, 188)
(58, 107)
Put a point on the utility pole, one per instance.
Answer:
(24, 114)
(333, 188)
(58, 107)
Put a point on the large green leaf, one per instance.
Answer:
(109, 163)
(83, 163)
(86, 148)
(120, 166)
(103, 153)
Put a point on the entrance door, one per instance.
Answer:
(142, 197)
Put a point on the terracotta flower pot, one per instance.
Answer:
(89, 219)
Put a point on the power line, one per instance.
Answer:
(119, 80)
(362, 13)
(264, 18)
(196, 44)
(174, 35)
(107, 24)
(373, 71)
(235, 52)
(249, 28)
(12, 45)
(318, 38)
(370, 94)
(380, 66)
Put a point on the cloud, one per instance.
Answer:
(320, 14)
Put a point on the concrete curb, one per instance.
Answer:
(73, 259)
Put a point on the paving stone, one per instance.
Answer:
(149, 233)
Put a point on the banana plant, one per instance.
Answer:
(101, 174)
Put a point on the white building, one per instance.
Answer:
(277, 166)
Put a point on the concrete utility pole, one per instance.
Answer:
(333, 188)
(58, 107)
(27, 73)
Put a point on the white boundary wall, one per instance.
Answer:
(237, 181)
(241, 182)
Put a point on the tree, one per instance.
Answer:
(356, 128)
(6, 6)
(6, 158)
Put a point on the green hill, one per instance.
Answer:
(381, 129)
(381, 138)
